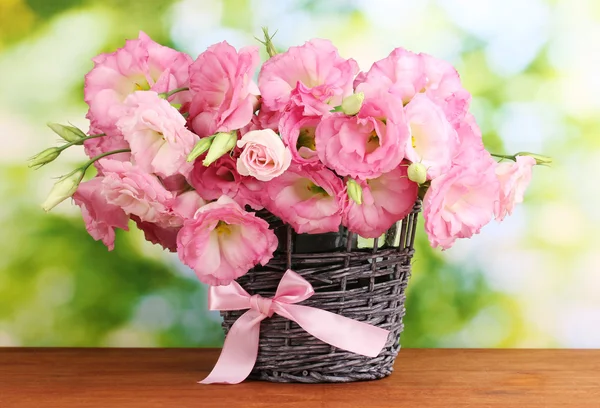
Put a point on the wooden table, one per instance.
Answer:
(424, 378)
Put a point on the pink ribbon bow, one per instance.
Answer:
(241, 345)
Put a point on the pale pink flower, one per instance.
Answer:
(309, 199)
(137, 193)
(385, 201)
(222, 178)
(141, 64)
(459, 203)
(100, 217)
(298, 134)
(514, 177)
(224, 93)
(263, 156)
(433, 141)
(156, 133)
(405, 74)
(223, 242)
(402, 73)
(312, 76)
(365, 145)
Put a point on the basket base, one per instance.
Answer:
(313, 377)
(347, 367)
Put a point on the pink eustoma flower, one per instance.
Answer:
(137, 193)
(185, 206)
(223, 242)
(224, 93)
(470, 143)
(433, 141)
(309, 199)
(365, 145)
(156, 133)
(459, 203)
(141, 64)
(100, 217)
(166, 237)
(298, 134)
(112, 141)
(514, 177)
(312, 77)
(405, 74)
(385, 201)
(222, 178)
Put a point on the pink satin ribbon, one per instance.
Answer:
(241, 344)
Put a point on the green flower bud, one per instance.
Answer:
(68, 133)
(64, 188)
(417, 172)
(201, 147)
(222, 143)
(44, 157)
(539, 159)
(354, 191)
(351, 104)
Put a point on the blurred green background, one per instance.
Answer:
(533, 68)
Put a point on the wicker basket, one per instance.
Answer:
(363, 284)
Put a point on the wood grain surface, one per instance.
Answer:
(424, 378)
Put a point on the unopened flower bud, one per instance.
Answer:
(351, 104)
(200, 148)
(44, 157)
(222, 143)
(68, 133)
(354, 191)
(417, 172)
(539, 159)
(64, 188)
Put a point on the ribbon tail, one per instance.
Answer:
(339, 331)
(239, 352)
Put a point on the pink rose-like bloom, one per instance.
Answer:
(222, 178)
(223, 242)
(223, 91)
(312, 76)
(156, 132)
(141, 64)
(433, 141)
(298, 134)
(405, 74)
(100, 217)
(459, 203)
(263, 156)
(309, 199)
(365, 145)
(137, 193)
(514, 177)
(385, 200)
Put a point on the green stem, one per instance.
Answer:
(74, 142)
(268, 43)
(100, 156)
(504, 156)
(167, 95)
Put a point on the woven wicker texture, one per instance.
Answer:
(367, 285)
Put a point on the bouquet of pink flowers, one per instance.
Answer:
(190, 150)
